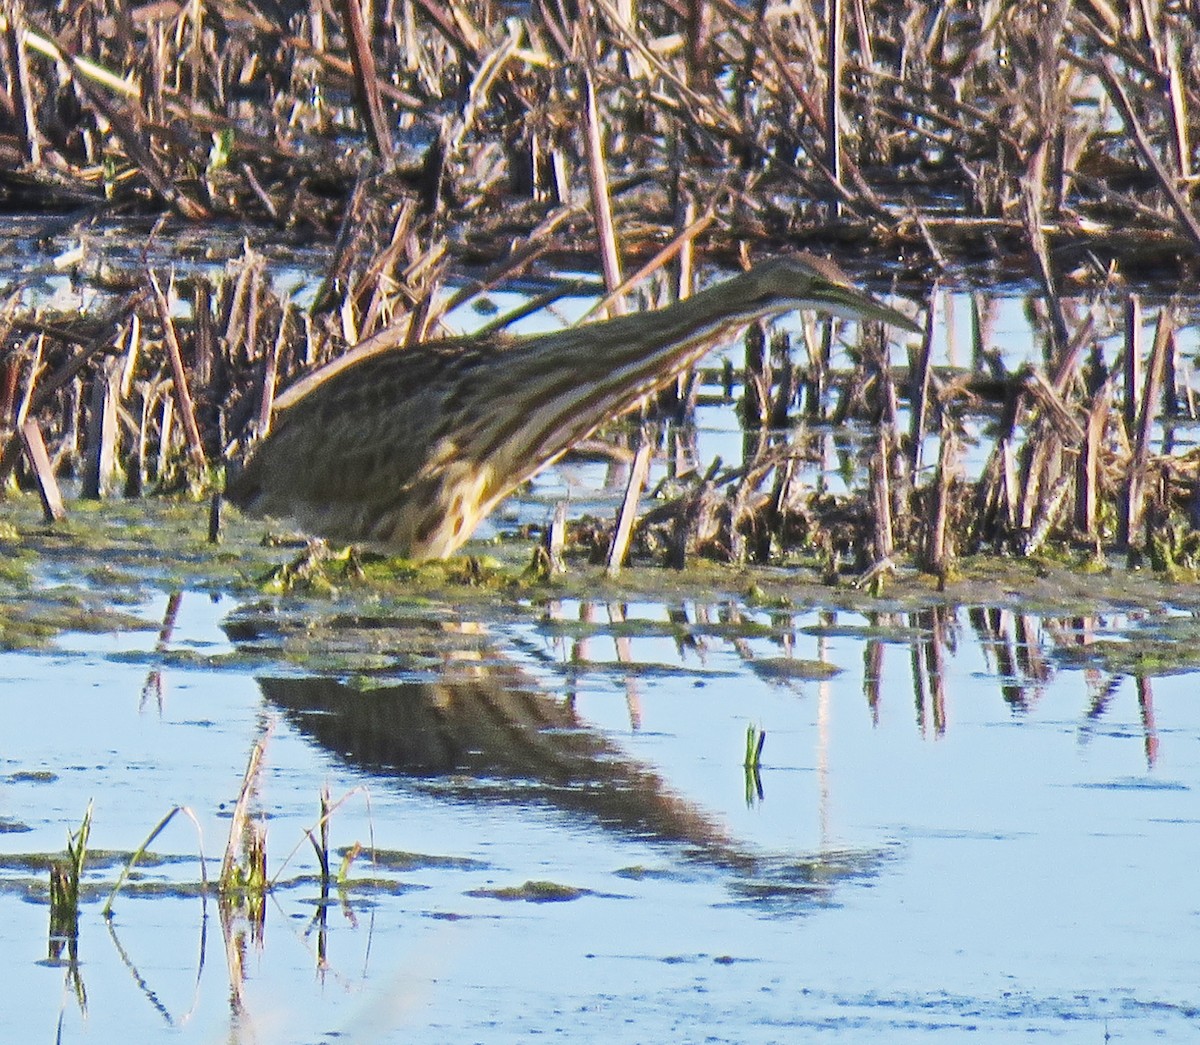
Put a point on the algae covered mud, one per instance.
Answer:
(968, 816)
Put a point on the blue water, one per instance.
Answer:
(992, 856)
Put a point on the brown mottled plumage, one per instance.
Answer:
(413, 448)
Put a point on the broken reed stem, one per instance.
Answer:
(756, 380)
(606, 233)
(10, 376)
(214, 517)
(883, 537)
(43, 472)
(35, 367)
(939, 548)
(1050, 509)
(781, 361)
(136, 467)
(101, 441)
(183, 397)
(25, 101)
(271, 371)
(166, 432)
(920, 381)
(820, 351)
(833, 98)
(321, 844)
(619, 549)
(1088, 469)
(1132, 361)
(366, 82)
(1133, 499)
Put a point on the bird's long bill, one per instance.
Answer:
(850, 303)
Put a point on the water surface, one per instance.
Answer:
(965, 823)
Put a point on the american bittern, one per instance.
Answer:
(413, 448)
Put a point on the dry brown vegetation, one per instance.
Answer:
(955, 127)
(437, 144)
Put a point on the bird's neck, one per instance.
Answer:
(677, 336)
(576, 379)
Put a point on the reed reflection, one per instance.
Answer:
(1022, 652)
(465, 716)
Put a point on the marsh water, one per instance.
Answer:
(963, 821)
(974, 818)
(975, 815)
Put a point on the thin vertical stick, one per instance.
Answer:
(756, 382)
(1009, 466)
(628, 514)
(31, 382)
(10, 374)
(940, 549)
(833, 99)
(1088, 489)
(270, 373)
(1134, 503)
(1177, 93)
(881, 495)
(39, 461)
(597, 171)
(919, 380)
(101, 453)
(819, 339)
(366, 84)
(131, 355)
(205, 336)
(183, 398)
(214, 518)
(68, 440)
(165, 430)
(137, 481)
(1133, 361)
(1170, 401)
(781, 360)
(23, 87)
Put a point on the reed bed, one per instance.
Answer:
(439, 150)
(941, 129)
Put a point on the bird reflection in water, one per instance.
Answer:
(482, 729)
(486, 732)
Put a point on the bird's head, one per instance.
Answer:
(799, 281)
